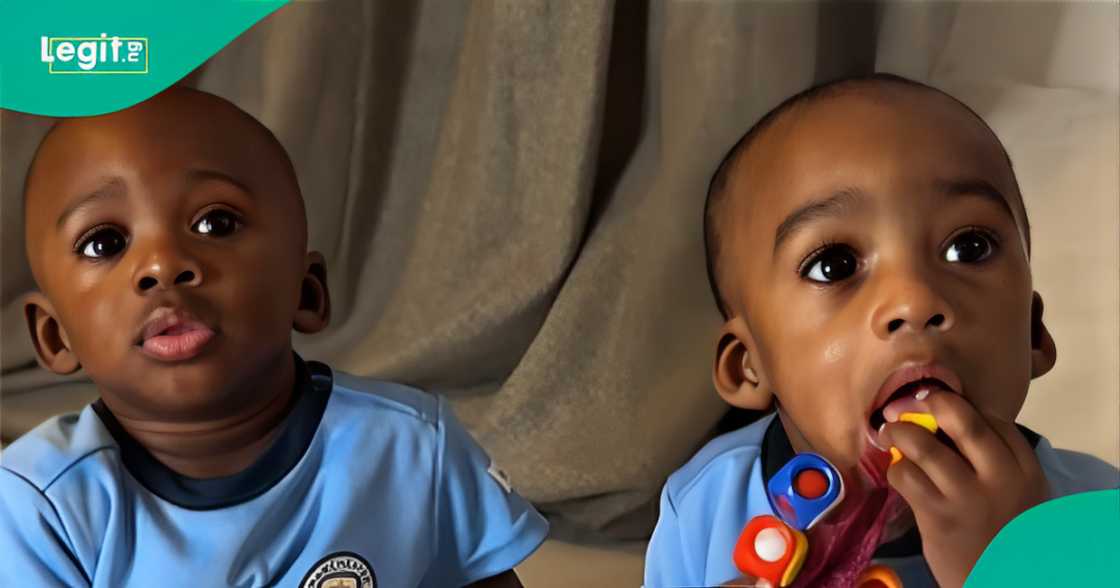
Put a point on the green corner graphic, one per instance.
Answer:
(1070, 541)
(80, 58)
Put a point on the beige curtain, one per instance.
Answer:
(508, 195)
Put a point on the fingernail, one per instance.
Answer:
(896, 455)
(877, 438)
(921, 395)
(873, 439)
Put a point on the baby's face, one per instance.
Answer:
(171, 244)
(878, 233)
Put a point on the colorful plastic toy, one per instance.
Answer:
(806, 489)
(923, 420)
(770, 550)
(878, 576)
(801, 493)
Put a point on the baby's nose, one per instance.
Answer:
(167, 268)
(152, 279)
(895, 324)
(910, 304)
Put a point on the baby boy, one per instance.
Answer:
(169, 243)
(869, 249)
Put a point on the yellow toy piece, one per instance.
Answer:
(923, 420)
(798, 558)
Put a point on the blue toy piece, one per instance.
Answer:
(821, 489)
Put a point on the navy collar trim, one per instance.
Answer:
(777, 450)
(313, 385)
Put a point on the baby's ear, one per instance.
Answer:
(1043, 351)
(738, 376)
(52, 346)
(314, 312)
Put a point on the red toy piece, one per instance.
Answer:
(770, 550)
(810, 483)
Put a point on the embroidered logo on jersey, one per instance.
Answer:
(341, 569)
(500, 477)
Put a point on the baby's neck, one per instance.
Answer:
(219, 447)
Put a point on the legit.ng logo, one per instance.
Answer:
(95, 55)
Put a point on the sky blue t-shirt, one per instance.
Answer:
(707, 502)
(369, 483)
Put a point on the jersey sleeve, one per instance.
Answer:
(665, 555)
(1071, 472)
(35, 548)
(483, 527)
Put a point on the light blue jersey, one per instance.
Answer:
(707, 502)
(369, 484)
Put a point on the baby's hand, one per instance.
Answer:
(960, 501)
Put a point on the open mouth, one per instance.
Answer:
(906, 393)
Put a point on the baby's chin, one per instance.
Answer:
(168, 399)
(865, 473)
(865, 486)
(862, 465)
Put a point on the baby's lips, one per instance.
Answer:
(893, 409)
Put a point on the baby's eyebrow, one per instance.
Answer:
(975, 187)
(840, 202)
(111, 187)
(197, 175)
(845, 200)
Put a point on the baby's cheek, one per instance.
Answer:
(827, 426)
(834, 352)
(843, 445)
(1005, 397)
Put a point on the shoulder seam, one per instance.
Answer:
(54, 509)
(41, 492)
(63, 471)
(75, 462)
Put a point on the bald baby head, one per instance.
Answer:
(182, 208)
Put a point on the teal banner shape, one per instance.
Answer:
(1069, 541)
(81, 58)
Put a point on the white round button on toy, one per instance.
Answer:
(770, 545)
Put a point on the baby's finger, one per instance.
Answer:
(914, 485)
(978, 442)
(942, 466)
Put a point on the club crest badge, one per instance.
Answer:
(341, 569)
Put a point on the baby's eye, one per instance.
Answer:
(102, 243)
(216, 223)
(832, 264)
(970, 247)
